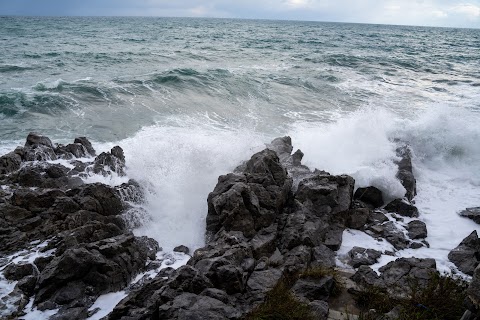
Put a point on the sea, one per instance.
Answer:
(189, 99)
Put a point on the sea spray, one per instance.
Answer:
(178, 168)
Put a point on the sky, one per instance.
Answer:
(447, 13)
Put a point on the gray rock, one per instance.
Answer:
(264, 168)
(35, 139)
(402, 208)
(227, 277)
(376, 217)
(192, 307)
(188, 279)
(282, 146)
(466, 256)
(249, 201)
(323, 256)
(357, 218)
(39, 153)
(263, 281)
(474, 288)
(472, 213)
(396, 277)
(366, 277)
(313, 289)
(417, 230)
(181, 249)
(86, 144)
(302, 228)
(276, 259)
(97, 197)
(392, 234)
(326, 194)
(45, 175)
(16, 272)
(333, 238)
(361, 256)
(113, 160)
(27, 285)
(297, 260)
(10, 162)
(369, 195)
(142, 302)
(38, 148)
(405, 172)
(264, 242)
(104, 266)
(216, 294)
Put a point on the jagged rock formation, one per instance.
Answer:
(467, 255)
(272, 220)
(86, 248)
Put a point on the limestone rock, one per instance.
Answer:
(417, 230)
(402, 208)
(466, 256)
(472, 213)
(369, 195)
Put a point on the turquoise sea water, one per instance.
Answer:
(109, 77)
(188, 99)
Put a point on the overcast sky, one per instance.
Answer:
(453, 13)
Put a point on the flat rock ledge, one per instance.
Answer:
(271, 222)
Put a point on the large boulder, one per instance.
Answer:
(251, 200)
(402, 208)
(98, 197)
(466, 256)
(108, 162)
(91, 269)
(472, 213)
(10, 162)
(417, 230)
(38, 148)
(45, 175)
(405, 171)
(325, 194)
(474, 288)
(398, 276)
(369, 195)
(361, 256)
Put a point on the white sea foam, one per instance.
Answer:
(106, 303)
(358, 144)
(34, 314)
(179, 166)
(446, 163)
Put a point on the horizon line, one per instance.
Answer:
(231, 18)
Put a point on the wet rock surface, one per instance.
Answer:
(472, 213)
(271, 222)
(75, 230)
(466, 256)
(397, 275)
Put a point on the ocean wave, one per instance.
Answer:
(13, 68)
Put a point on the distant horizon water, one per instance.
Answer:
(236, 18)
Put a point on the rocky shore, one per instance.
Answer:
(272, 222)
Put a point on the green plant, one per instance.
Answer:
(439, 298)
(281, 304)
